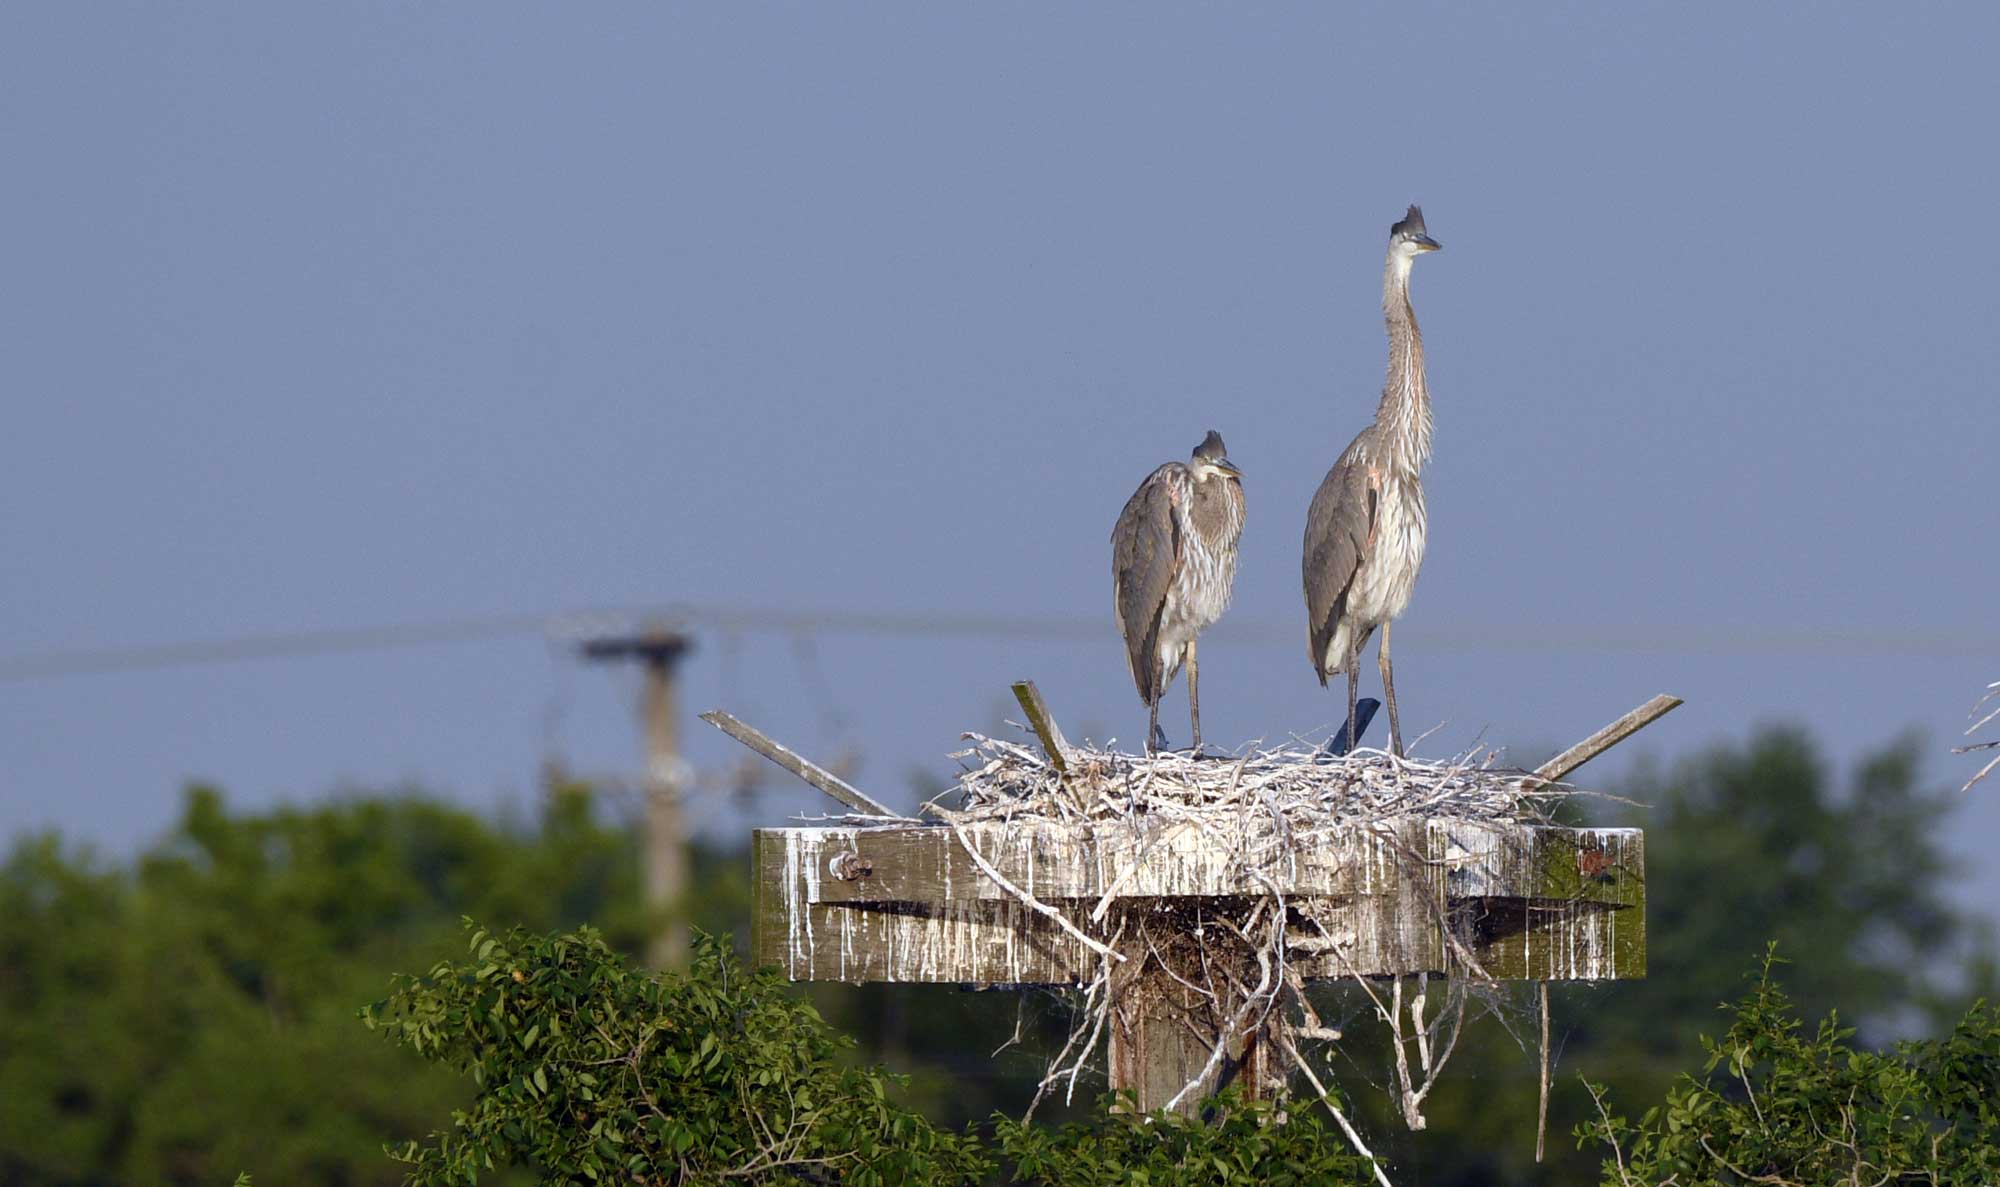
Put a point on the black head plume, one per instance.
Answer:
(1412, 224)
(1211, 447)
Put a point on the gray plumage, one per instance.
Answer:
(1364, 537)
(1173, 562)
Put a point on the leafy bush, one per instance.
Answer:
(1240, 1142)
(587, 1070)
(1802, 1109)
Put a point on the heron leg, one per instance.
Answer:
(1389, 695)
(1194, 697)
(1156, 741)
(1353, 689)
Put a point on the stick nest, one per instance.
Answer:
(1297, 783)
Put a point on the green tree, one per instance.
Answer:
(1778, 1105)
(1756, 843)
(191, 1015)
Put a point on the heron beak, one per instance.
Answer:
(1427, 243)
(1227, 467)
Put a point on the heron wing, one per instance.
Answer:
(1145, 551)
(1338, 526)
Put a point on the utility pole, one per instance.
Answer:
(663, 841)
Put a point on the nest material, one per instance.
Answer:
(1301, 786)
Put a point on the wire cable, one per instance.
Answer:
(574, 627)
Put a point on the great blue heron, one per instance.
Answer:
(1173, 559)
(1365, 531)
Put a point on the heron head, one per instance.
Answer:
(1211, 458)
(1408, 237)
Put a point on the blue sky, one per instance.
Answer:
(328, 316)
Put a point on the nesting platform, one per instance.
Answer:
(1194, 898)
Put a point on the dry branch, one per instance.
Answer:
(1992, 692)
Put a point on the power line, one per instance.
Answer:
(575, 626)
(275, 645)
(570, 626)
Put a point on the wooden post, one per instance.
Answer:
(663, 841)
(1154, 1051)
(1163, 1034)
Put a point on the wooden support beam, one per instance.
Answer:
(797, 764)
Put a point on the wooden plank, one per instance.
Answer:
(992, 940)
(1377, 936)
(1559, 767)
(1602, 866)
(797, 764)
(1584, 919)
(1533, 903)
(1054, 860)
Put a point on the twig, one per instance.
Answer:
(1610, 1138)
(1339, 1117)
(1542, 1112)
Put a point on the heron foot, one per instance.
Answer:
(1158, 743)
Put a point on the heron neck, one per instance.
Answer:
(1405, 412)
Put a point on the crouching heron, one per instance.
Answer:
(1173, 560)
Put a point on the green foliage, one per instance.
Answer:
(587, 1070)
(1240, 1142)
(1799, 1108)
(190, 1014)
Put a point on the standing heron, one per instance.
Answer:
(1173, 559)
(1365, 531)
